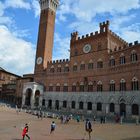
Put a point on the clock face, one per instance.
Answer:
(39, 60)
(87, 48)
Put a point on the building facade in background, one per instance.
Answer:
(100, 77)
(8, 82)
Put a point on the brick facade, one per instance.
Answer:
(102, 70)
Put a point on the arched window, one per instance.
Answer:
(82, 66)
(74, 87)
(50, 104)
(66, 68)
(89, 106)
(43, 102)
(122, 85)
(73, 105)
(99, 107)
(112, 61)
(65, 87)
(134, 56)
(90, 86)
(100, 64)
(111, 107)
(81, 87)
(81, 104)
(135, 84)
(50, 87)
(57, 87)
(90, 65)
(64, 104)
(99, 86)
(122, 59)
(112, 85)
(135, 109)
(75, 67)
(59, 68)
(52, 70)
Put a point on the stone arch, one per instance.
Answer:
(112, 99)
(122, 54)
(52, 66)
(112, 57)
(75, 64)
(134, 79)
(112, 82)
(122, 100)
(28, 95)
(135, 109)
(59, 66)
(90, 61)
(99, 83)
(36, 97)
(67, 65)
(90, 83)
(122, 80)
(82, 62)
(133, 51)
(99, 60)
(99, 99)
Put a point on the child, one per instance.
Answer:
(25, 132)
(52, 127)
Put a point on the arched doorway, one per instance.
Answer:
(135, 109)
(99, 106)
(28, 97)
(37, 95)
(50, 104)
(81, 105)
(43, 102)
(122, 109)
(89, 106)
(57, 105)
(111, 107)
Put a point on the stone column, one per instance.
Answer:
(32, 101)
(77, 106)
(53, 105)
(46, 103)
(128, 110)
(94, 108)
(117, 108)
(40, 101)
(23, 99)
(85, 106)
(60, 105)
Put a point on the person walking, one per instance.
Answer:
(53, 125)
(25, 132)
(88, 128)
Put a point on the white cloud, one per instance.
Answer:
(36, 7)
(17, 55)
(131, 36)
(17, 4)
(61, 47)
(87, 9)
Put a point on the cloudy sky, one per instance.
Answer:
(19, 21)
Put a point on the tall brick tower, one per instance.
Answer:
(45, 34)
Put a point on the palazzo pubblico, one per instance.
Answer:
(101, 75)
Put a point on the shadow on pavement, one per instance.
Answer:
(136, 138)
(16, 139)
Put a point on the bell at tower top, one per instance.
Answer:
(49, 4)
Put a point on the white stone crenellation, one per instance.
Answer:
(51, 4)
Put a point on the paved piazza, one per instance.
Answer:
(11, 126)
